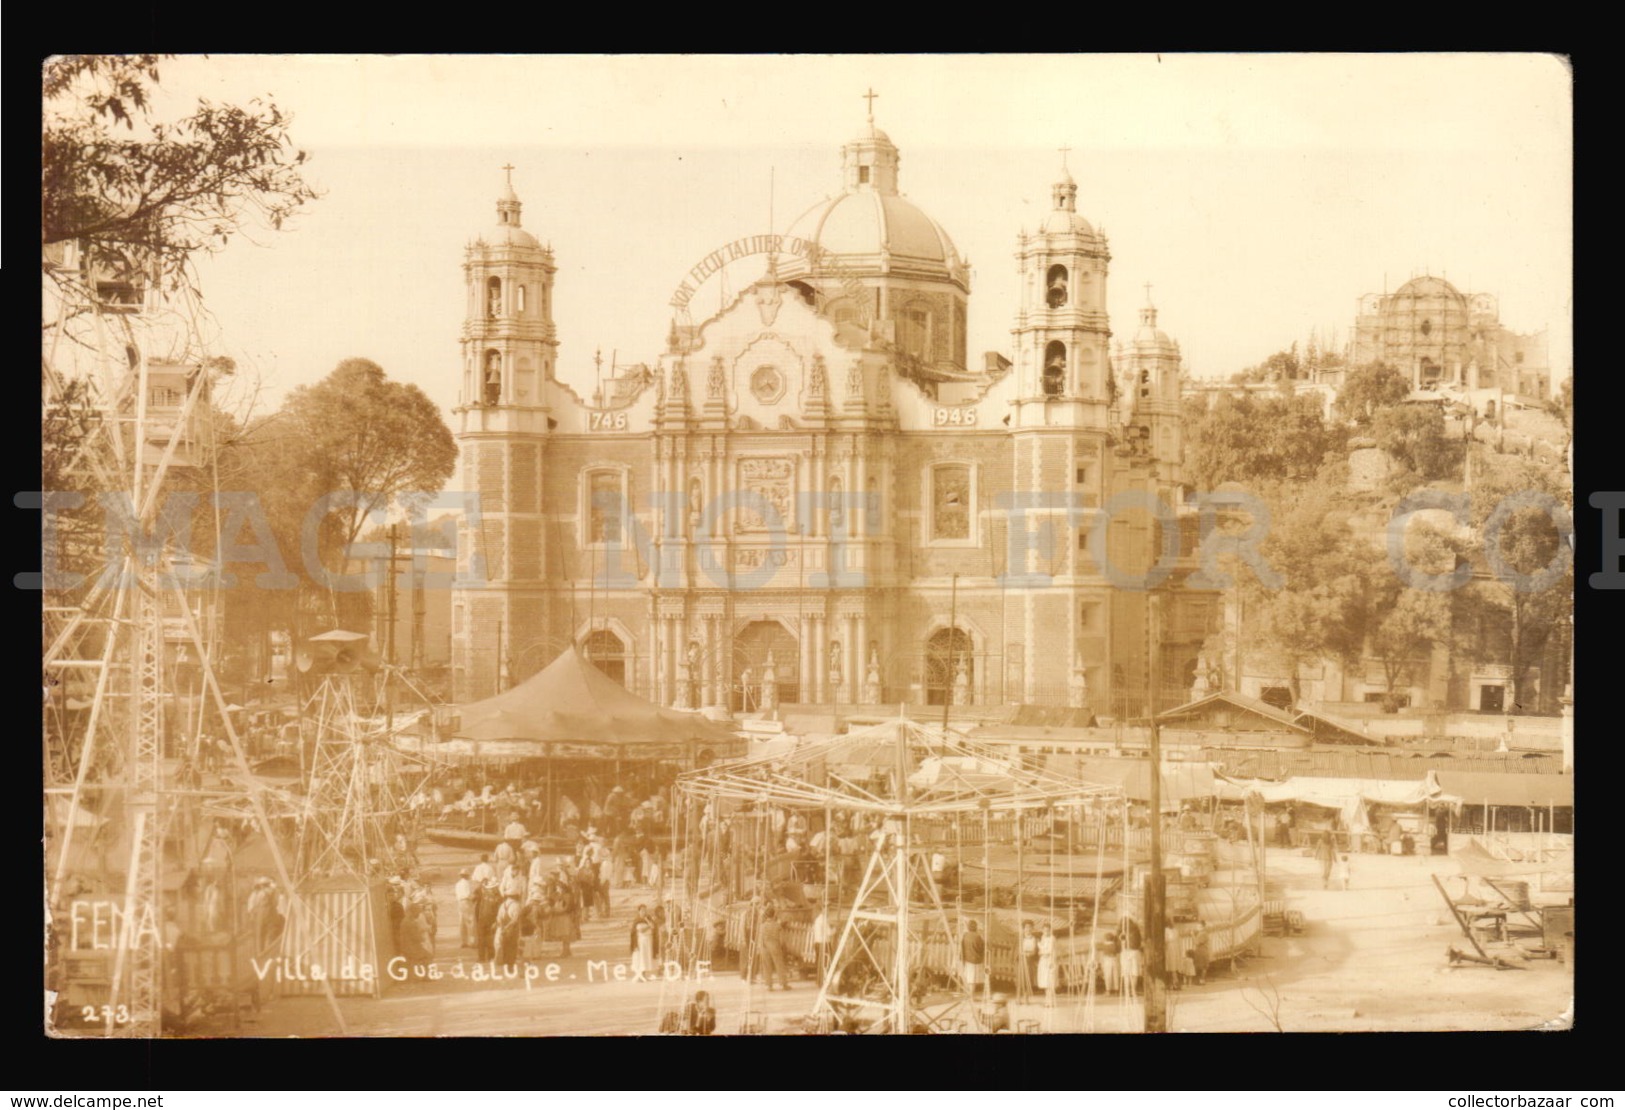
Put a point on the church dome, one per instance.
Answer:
(870, 226)
(1062, 222)
(1429, 287)
(1063, 218)
(508, 232)
(869, 223)
(508, 235)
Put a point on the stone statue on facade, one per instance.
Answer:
(1078, 689)
(872, 694)
(770, 685)
(962, 683)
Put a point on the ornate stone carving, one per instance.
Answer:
(716, 382)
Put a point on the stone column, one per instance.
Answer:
(805, 650)
(860, 673)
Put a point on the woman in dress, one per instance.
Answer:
(1046, 964)
(643, 942)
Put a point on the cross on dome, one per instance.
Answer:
(508, 203)
(870, 96)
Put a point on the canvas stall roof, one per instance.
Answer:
(1278, 718)
(1489, 788)
(1475, 860)
(1350, 797)
(1180, 781)
(942, 770)
(1325, 728)
(571, 702)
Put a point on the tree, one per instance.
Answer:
(1412, 623)
(143, 203)
(1370, 389)
(1532, 563)
(1414, 437)
(355, 430)
(1257, 440)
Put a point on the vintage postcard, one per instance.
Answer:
(806, 545)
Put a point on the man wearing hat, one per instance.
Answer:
(489, 901)
(467, 921)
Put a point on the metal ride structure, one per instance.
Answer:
(118, 802)
(892, 942)
(353, 810)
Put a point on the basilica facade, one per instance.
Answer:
(816, 495)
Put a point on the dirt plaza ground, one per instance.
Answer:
(1372, 958)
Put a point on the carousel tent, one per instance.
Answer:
(572, 710)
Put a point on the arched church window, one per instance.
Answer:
(1055, 286)
(493, 377)
(493, 297)
(1427, 327)
(1054, 368)
(520, 297)
(605, 505)
(950, 502)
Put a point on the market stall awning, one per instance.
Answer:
(572, 710)
(1350, 797)
(1489, 788)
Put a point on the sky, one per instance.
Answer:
(1260, 196)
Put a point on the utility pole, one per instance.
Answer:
(1156, 987)
(389, 640)
(953, 642)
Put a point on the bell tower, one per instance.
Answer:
(509, 343)
(1062, 456)
(1062, 331)
(509, 347)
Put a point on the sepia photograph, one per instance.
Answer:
(633, 545)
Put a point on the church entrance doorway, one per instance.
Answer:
(949, 654)
(757, 646)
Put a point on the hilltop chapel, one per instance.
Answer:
(815, 496)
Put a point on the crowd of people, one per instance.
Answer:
(517, 902)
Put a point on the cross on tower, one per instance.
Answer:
(870, 97)
(508, 170)
(1065, 150)
(1148, 292)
